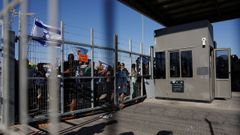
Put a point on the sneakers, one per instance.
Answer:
(121, 106)
(126, 98)
(107, 116)
(103, 96)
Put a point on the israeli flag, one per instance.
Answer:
(105, 65)
(82, 50)
(46, 32)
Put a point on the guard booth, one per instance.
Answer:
(188, 65)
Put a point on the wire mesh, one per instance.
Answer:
(103, 69)
(76, 33)
(86, 86)
(77, 88)
(39, 70)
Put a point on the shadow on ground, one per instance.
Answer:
(127, 133)
(164, 132)
(91, 130)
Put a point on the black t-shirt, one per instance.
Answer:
(72, 66)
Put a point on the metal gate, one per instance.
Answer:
(38, 86)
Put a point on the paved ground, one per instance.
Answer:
(163, 117)
(232, 104)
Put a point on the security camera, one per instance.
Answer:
(204, 42)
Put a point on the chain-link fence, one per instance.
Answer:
(45, 82)
(85, 83)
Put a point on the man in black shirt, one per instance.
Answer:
(70, 92)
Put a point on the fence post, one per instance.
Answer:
(141, 65)
(151, 61)
(62, 68)
(53, 82)
(1, 75)
(115, 68)
(92, 67)
(5, 91)
(23, 69)
(131, 85)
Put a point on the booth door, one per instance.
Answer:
(222, 73)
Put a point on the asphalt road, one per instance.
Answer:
(150, 118)
(160, 117)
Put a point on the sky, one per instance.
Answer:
(227, 35)
(79, 16)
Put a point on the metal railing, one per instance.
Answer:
(93, 88)
(28, 95)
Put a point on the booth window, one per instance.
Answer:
(159, 67)
(174, 64)
(222, 70)
(186, 64)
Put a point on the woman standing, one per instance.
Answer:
(133, 81)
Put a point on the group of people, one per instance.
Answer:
(128, 84)
(76, 89)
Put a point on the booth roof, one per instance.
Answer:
(175, 12)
